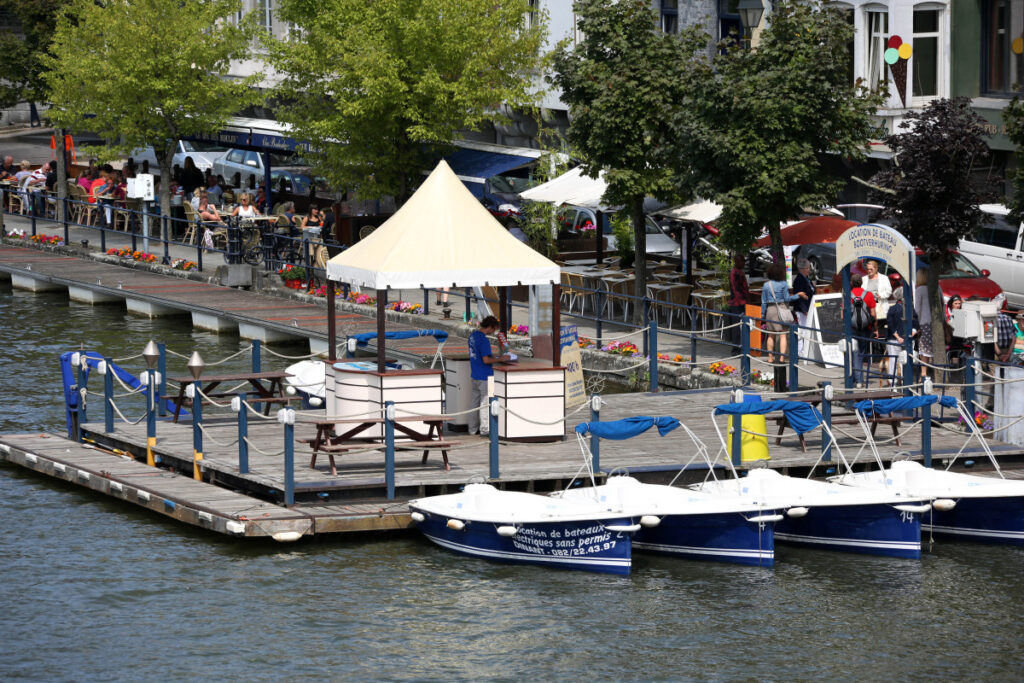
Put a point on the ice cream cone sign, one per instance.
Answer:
(896, 55)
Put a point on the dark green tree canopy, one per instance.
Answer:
(374, 86)
(936, 182)
(757, 123)
(22, 79)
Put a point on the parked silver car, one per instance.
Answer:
(573, 218)
(237, 166)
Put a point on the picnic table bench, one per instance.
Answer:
(268, 387)
(325, 442)
(844, 418)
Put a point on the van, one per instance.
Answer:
(997, 249)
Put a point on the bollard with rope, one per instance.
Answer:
(286, 416)
(492, 419)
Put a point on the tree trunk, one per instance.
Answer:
(775, 233)
(163, 158)
(636, 211)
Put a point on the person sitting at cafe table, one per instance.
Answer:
(8, 169)
(314, 219)
(207, 212)
(481, 358)
(245, 209)
(213, 190)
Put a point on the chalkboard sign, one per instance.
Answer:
(828, 317)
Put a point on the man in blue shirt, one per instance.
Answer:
(480, 361)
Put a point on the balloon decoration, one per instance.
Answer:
(896, 55)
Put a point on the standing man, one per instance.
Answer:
(737, 305)
(1006, 336)
(802, 283)
(480, 361)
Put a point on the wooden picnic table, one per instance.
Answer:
(844, 419)
(268, 386)
(324, 442)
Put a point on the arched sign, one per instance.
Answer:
(873, 241)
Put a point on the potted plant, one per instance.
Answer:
(293, 276)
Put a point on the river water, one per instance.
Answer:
(93, 589)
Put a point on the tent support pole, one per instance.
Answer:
(332, 333)
(503, 308)
(556, 324)
(380, 330)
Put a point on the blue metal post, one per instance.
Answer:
(646, 350)
(847, 329)
(970, 395)
(243, 434)
(595, 440)
(826, 416)
(794, 357)
(653, 344)
(289, 458)
(161, 367)
(153, 398)
(197, 432)
(82, 418)
(737, 436)
(256, 360)
(598, 311)
(492, 419)
(926, 435)
(389, 448)
(693, 335)
(108, 396)
(745, 349)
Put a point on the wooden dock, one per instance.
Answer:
(250, 505)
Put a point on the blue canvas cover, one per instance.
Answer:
(628, 427)
(802, 417)
(475, 166)
(363, 339)
(892, 405)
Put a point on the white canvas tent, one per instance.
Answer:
(442, 237)
(702, 211)
(572, 187)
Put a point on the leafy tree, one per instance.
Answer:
(622, 83)
(22, 54)
(376, 87)
(931, 193)
(757, 123)
(1013, 117)
(538, 219)
(148, 72)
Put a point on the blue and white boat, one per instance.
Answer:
(964, 506)
(821, 514)
(525, 528)
(681, 522)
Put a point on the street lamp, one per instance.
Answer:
(751, 12)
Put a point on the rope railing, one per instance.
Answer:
(307, 356)
(122, 416)
(206, 434)
(256, 448)
(126, 358)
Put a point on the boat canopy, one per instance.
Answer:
(802, 417)
(363, 339)
(628, 427)
(892, 405)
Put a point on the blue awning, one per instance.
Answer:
(473, 166)
(627, 428)
(802, 417)
(892, 405)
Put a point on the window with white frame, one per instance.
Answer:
(1002, 46)
(670, 16)
(876, 23)
(531, 13)
(266, 10)
(926, 62)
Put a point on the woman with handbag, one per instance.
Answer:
(776, 314)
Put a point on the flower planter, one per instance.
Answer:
(294, 284)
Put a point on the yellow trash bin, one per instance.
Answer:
(752, 446)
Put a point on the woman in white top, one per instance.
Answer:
(880, 288)
(245, 209)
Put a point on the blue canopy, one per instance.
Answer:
(627, 428)
(363, 339)
(475, 166)
(892, 405)
(802, 417)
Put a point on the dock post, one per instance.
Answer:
(653, 344)
(794, 357)
(595, 440)
(197, 429)
(693, 336)
(108, 395)
(82, 418)
(492, 419)
(646, 342)
(243, 435)
(826, 416)
(152, 399)
(287, 417)
(737, 430)
(744, 349)
(389, 448)
(969, 389)
(256, 360)
(926, 435)
(161, 368)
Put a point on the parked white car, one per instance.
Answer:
(997, 248)
(658, 242)
(203, 154)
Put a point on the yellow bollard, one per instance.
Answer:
(150, 458)
(197, 457)
(753, 447)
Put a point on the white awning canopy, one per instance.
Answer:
(572, 187)
(442, 237)
(703, 211)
